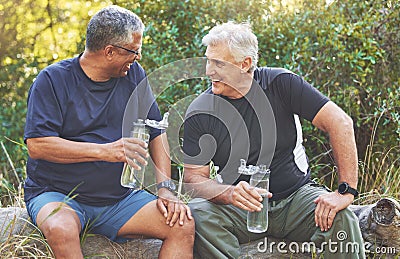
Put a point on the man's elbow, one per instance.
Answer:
(342, 122)
(332, 118)
(33, 149)
(346, 122)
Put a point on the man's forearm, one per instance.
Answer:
(339, 126)
(59, 150)
(200, 186)
(345, 153)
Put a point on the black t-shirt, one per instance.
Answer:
(64, 102)
(262, 127)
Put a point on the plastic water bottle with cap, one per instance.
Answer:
(133, 178)
(257, 221)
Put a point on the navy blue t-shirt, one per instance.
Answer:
(63, 102)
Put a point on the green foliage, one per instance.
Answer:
(34, 34)
(349, 50)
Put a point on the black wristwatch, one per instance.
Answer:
(345, 188)
(169, 184)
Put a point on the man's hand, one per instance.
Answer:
(328, 205)
(135, 150)
(172, 208)
(127, 150)
(247, 197)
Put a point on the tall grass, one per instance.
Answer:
(380, 169)
(29, 244)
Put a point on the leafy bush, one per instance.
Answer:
(349, 50)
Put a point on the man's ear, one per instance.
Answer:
(246, 64)
(109, 52)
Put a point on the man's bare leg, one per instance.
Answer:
(148, 221)
(61, 226)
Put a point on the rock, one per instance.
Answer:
(98, 246)
(15, 224)
(13, 220)
(379, 223)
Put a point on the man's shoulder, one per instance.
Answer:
(202, 103)
(57, 72)
(63, 66)
(136, 74)
(266, 75)
(208, 91)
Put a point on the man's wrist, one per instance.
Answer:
(225, 197)
(164, 192)
(167, 184)
(345, 188)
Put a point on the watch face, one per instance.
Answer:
(342, 188)
(172, 186)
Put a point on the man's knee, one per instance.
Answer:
(202, 210)
(209, 217)
(184, 233)
(346, 217)
(188, 227)
(63, 230)
(200, 206)
(346, 227)
(59, 221)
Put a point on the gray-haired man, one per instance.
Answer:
(77, 150)
(253, 113)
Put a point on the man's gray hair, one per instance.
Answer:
(112, 25)
(241, 40)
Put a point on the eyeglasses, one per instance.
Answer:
(129, 50)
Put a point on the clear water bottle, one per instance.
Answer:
(133, 178)
(257, 221)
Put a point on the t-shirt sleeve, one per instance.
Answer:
(198, 143)
(154, 114)
(299, 96)
(44, 117)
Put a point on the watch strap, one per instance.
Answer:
(169, 184)
(345, 188)
(352, 191)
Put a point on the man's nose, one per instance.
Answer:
(138, 57)
(210, 69)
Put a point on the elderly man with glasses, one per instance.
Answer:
(77, 149)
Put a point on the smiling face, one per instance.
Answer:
(229, 77)
(123, 58)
